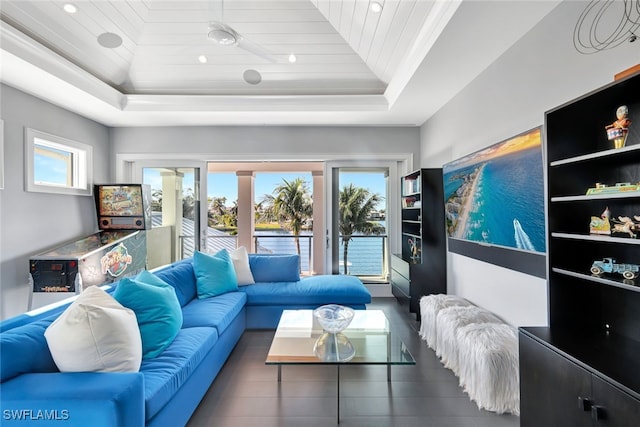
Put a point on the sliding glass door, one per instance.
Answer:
(178, 216)
(358, 222)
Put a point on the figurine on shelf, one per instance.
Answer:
(415, 250)
(618, 130)
(609, 265)
(620, 187)
(601, 225)
(625, 225)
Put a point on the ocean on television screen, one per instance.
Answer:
(522, 239)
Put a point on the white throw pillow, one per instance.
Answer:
(240, 259)
(95, 334)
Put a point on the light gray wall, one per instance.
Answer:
(540, 72)
(33, 222)
(271, 142)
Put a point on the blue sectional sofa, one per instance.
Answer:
(168, 387)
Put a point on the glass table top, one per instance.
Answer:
(369, 339)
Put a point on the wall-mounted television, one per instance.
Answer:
(494, 204)
(123, 206)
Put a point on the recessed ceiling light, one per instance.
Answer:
(70, 8)
(375, 7)
(292, 58)
(110, 40)
(202, 59)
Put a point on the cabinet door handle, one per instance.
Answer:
(598, 413)
(585, 403)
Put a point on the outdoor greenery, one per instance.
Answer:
(290, 207)
(356, 206)
(188, 202)
(222, 216)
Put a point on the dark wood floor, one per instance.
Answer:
(247, 393)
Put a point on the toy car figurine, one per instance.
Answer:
(609, 265)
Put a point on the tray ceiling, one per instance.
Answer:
(155, 56)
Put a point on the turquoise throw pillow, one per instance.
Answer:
(215, 274)
(156, 307)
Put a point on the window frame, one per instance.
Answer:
(81, 164)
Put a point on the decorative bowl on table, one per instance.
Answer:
(334, 318)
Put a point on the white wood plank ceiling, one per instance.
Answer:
(342, 47)
(354, 66)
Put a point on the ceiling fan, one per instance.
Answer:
(225, 35)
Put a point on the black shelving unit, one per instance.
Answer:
(584, 368)
(420, 267)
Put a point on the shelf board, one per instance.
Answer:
(591, 278)
(599, 154)
(597, 238)
(623, 195)
(412, 221)
(417, 236)
(411, 207)
(415, 193)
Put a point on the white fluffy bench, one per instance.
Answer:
(477, 346)
(488, 354)
(448, 321)
(430, 305)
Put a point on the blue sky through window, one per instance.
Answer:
(51, 166)
(225, 184)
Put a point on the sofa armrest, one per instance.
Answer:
(73, 399)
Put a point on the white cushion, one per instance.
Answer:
(240, 259)
(430, 305)
(95, 334)
(489, 366)
(448, 321)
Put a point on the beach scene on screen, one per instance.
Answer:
(496, 195)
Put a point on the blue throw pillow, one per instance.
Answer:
(274, 267)
(157, 310)
(180, 275)
(215, 274)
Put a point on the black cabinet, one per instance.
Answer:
(612, 407)
(594, 316)
(420, 268)
(549, 387)
(557, 391)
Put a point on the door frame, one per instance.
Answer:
(132, 172)
(396, 168)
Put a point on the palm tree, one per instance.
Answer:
(355, 207)
(264, 210)
(292, 206)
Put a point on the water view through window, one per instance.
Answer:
(278, 199)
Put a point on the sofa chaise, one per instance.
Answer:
(169, 386)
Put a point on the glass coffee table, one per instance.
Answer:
(368, 340)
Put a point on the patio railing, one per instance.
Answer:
(366, 255)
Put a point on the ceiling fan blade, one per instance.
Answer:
(256, 49)
(225, 35)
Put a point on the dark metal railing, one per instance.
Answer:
(286, 244)
(367, 254)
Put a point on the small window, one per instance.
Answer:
(57, 165)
